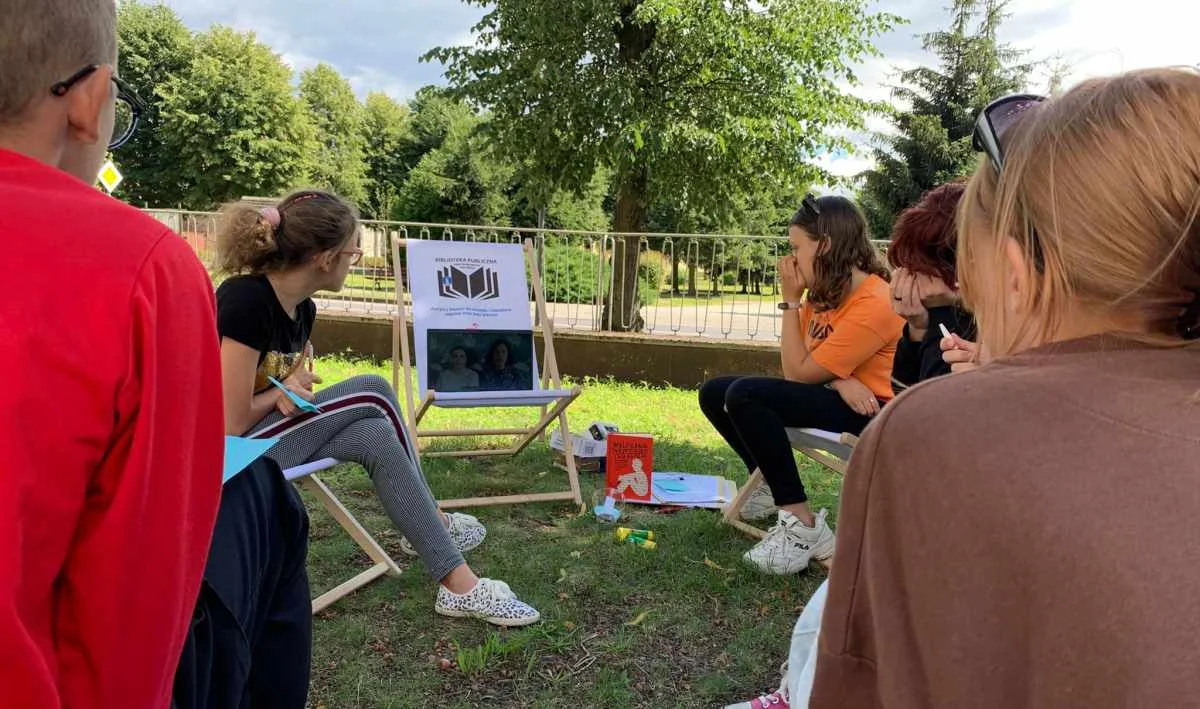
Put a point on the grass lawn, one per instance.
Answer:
(685, 625)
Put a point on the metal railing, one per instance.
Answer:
(709, 286)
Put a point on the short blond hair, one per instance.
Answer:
(45, 41)
(1102, 186)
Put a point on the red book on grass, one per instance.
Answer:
(630, 465)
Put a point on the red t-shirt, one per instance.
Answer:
(111, 444)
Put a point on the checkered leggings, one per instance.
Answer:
(360, 422)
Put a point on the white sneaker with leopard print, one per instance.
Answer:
(490, 600)
(466, 531)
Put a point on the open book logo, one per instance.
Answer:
(468, 283)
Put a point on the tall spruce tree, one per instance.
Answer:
(932, 141)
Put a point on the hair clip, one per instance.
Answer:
(304, 198)
(271, 216)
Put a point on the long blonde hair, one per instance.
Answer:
(1100, 190)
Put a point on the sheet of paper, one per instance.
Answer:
(304, 405)
(687, 490)
(682, 488)
(241, 452)
(459, 285)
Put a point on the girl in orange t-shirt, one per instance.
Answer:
(837, 361)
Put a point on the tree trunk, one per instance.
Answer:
(692, 292)
(623, 304)
(675, 272)
(622, 310)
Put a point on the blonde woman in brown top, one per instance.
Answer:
(1025, 534)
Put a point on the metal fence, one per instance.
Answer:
(709, 286)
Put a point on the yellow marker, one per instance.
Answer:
(643, 543)
(625, 532)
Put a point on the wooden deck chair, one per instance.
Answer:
(305, 476)
(829, 449)
(463, 295)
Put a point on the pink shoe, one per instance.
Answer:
(774, 700)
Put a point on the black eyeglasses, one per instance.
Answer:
(994, 121)
(129, 107)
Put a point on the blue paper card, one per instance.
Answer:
(304, 405)
(241, 452)
(671, 485)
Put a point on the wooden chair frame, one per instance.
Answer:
(816, 448)
(552, 407)
(305, 476)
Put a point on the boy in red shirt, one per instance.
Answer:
(111, 428)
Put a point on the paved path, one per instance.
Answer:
(729, 320)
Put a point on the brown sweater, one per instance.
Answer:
(1027, 535)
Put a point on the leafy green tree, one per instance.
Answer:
(932, 141)
(232, 122)
(385, 132)
(459, 180)
(339, 119)
(434, 113)
(698, 100)
(582, 210)
(154, 45)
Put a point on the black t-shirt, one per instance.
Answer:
(248, 312)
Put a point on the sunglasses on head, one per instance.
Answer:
(994, 121)
(809, 204)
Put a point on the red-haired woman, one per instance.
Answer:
(925, 284)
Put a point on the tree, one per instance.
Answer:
(698, 100)
(932, 142)
(232, 123)
(385, 132)
(154, 46)
(339, 163)
(457, 177)
(582, 210)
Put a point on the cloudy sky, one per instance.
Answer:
(376, 43)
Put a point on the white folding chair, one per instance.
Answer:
(467, 287)
(829, 449)
(305, 476)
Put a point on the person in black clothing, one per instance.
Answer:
(250, 641)
(278, 258)
(925, 285)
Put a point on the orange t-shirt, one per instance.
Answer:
(858, 338)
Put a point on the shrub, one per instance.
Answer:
(571, 274)
(651, 275)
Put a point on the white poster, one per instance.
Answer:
(471, 313)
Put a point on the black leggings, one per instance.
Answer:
(752, 413)
(250, 642)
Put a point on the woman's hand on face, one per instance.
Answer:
(791, 281)
(962, 355)
(906, 301)
(934, 292)
(857, 396)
